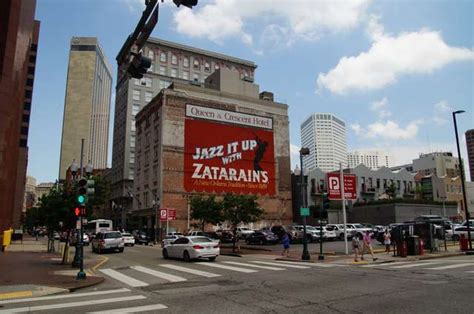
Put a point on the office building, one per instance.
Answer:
(470, 152)
(438, 163)
(30, 193)
(224, 137)
(19, 34)
(171, 62)
(325, 136)
(87, 105)
(371, 159)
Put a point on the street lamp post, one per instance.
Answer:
(305, 256)
(461, 168)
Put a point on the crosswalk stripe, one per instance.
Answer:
(65, 296)
(239, 269)
(255, 266)
(123, 278)
(159, 274)
(190, 270)
(72, 304)
(284, 263)
(135, 309)
(383, 264)
(451, 266)
(279, 264)
(415, 265)
(470, 271)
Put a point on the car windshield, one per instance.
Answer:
(126, 234)
(201, 240)
(113, 235)
(358, 226)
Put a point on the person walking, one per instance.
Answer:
(356, 247)
(367, 245)
(387, 241)
(285, 240)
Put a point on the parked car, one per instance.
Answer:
(169, 239)
(141, 237)
(211, 235)
(458, 232)
(262, 237)
(56, 236)
(128, 239)
(339, 231)
(311, 233)
(471, 223)
(358, 229)
(225, 236)
(108, 240)
(189, 248)
(243, 232)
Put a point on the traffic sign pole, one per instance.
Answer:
(343, 196)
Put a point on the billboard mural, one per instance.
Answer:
(236, 157)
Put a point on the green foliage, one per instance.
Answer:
(391, 191)
(100, 197)
(207, 210)
(402, 201)
(239, 209)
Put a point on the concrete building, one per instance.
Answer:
(19, 34)
(86, 106)
(209, 140)
(171, 62)
(470, 152)
(43, 189)
(372, 159)
(443, 189)
(438, 163)
(325, 136)
(30, 193)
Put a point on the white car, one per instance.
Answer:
(243, 232)
(169, 239)
(339, 231)
(189, 248)
(330, 234)
(128, 239)
(458, 232)
(358, 229)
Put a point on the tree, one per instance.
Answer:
(391, 191)
(206, 210)
(239, 209)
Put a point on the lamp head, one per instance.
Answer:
(458, 111)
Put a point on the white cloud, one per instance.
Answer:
(381, 108)
(390, 57)
(294, 155)
(442, 112)
(306, 19)
(388, 130)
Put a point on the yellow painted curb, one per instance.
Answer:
(102, 262)
(360, 263)
(17, 294)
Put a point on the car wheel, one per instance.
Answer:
(212, 259)
(456, 237)
(186, 256)
(341, 237)
(121, 250)
(165, 254)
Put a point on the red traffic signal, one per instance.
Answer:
(77, 211)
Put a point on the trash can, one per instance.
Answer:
(463, 243)
(413, 245)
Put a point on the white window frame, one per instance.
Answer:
(174, 59)
(136, 94)
(162, 56)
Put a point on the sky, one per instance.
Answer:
(392, 70)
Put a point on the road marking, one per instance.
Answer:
(16, 294)
(470, 271)
(102, 262)
(415, 265)
(159, 274)
(384, 264)
(66, 296)
(123, 278)
(451, 266)
(255, 266)
(242, 270)
(135, 309)
(72, 304)
(190, 270)
(281, 265)
(308, 264)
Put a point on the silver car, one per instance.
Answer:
(189, 248)
(108, 240)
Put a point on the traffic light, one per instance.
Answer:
(82, 192)
(325, 206)
(90, 187)
(77, 211)
(186, 3)
(139, 65)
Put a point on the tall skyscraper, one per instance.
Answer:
(370, 158)
(325, 136)
(470, 152)
(87, 105)
(19, 34)
(171, 62)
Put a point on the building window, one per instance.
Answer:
(174, 72)
(148, 96)
(132, 125)
(31, 70)
(136, 94)
(27, 106)
(196, 64)
(186, 62)
(32, 58)
(24, 130)
(148, 81)
(174, 59)
(151, 54)
(207, 66)
(135, 109)
(132, 158)
(34, 47)
(26, 118)
(163, 56)
(136, 81)
(185, 75)
(29, 82)
(216, 66)
(132, 141)
(196, 77)
(23, 143)
(28, 93)
(162, 70)
(147, 139)
(130, 174)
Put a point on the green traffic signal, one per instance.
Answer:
(81, 199)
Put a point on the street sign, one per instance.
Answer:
(171, 214)
(163, 214)
(334, 186)
(167, 214)
(304, 211)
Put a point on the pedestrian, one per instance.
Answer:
(367, 246)
(386, 240)
(285, 240)
(356, 247)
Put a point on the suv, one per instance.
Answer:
(107, 240)
(339, 231)
(358, 229)
(243, 233)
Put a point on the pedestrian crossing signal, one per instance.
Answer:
(77, 211)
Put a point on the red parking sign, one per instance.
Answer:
(163, 214)
(334, 186)
(167, 214)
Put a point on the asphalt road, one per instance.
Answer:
(139, 279)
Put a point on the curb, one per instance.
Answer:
(232, 254)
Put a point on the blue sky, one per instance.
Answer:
(393, 70)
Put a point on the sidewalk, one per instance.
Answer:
(28, 270)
